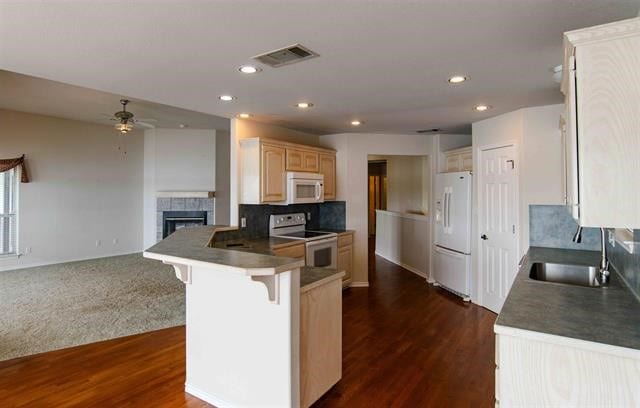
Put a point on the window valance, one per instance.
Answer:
(8, 164)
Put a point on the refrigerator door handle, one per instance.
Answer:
(447, 210)
(444, 211)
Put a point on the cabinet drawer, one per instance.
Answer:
(345, 239)
(293, 251)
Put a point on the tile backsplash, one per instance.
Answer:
(330, 215)
(627, 264)
(552, 226)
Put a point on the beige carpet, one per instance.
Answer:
(58, 306)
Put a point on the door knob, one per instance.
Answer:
(484, 236)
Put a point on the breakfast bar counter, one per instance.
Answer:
(244, 321)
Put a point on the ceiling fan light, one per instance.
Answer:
(124, 127)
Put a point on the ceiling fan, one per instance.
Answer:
(126, 120)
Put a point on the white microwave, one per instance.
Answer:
(305, 188)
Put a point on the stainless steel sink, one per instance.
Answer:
(580, 275)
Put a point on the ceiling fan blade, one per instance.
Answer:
(146, 119)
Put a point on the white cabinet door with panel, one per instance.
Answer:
(601, 82)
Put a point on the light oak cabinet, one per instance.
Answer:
(540, 370)
(345, 256)
(264, 163)
(273, 188)
(601, 83)
(320, 340)
(290, 251)
(327, 167)
(459, 160)
(302, 160)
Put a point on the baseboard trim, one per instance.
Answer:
(38, 264)
(359, 284)
(405, 266)
(205, 396)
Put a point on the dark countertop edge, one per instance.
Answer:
(322, 276)
(614, 308)
(191, 247)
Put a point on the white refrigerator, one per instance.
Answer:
(452, 258)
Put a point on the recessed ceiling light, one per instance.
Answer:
(356, 122)
(249, 69)
(456, 79)
(482, 108)
(226, 98)
(244, 115)
(304, 105)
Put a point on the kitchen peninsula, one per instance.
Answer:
(251, 339)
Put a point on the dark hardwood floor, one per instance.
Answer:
(406, 344)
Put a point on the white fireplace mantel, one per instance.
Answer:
(185, 194)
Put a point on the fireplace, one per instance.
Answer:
(175, 220)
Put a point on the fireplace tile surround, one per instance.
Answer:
(182, 204)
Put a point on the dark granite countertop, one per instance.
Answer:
(191, 245)
(311, 277)
(256, 245)
(609, 315)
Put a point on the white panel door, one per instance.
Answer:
(497, 224)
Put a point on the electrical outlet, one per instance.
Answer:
(115, 241)
(243, 222)
(308, 216)
(98, 243)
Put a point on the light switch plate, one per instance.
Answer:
(243, 222)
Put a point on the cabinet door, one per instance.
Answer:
(572, 194)
(608, 118)
(295, 160)
(272, 174)
(452, 163)
(327, 168)
(293, 251)
(466, 161)
(320, 341)
(345, 261)
(310, 161)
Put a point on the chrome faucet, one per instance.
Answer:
(603, 270)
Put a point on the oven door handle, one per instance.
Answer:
(322, 241)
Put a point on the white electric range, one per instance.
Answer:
(321, 248)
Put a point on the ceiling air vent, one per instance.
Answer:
(284, 56)
(434, 130)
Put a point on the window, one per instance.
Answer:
(9, 212)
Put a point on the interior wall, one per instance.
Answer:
(408, 183)
(85, 197)
(537, 135)
(353, 150)
(176, 160)
(243, 129)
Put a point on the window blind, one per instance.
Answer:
(9, 212)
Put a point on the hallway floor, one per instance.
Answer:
(406, 344)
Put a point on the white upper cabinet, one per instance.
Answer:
(601, 83)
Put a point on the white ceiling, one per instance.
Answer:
(36, 95)
(384, 62)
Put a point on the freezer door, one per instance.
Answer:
(453, 211)
(453, 270)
